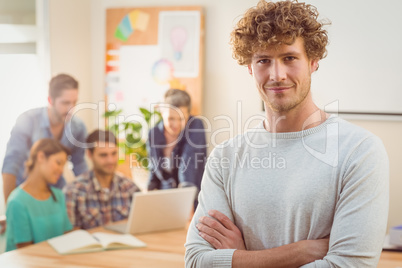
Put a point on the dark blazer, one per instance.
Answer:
(189, 157)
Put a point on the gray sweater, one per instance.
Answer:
(281, 188)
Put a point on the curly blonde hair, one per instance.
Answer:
(272, 23)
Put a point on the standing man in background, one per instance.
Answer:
(54, 121)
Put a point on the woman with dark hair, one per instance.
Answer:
(35, 210)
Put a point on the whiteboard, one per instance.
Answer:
(362, 73)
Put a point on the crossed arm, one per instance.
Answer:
(221, 233)
(357, 227)
(213, 240)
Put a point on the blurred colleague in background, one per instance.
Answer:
(99, 196)
(35, 210)
(176, 146)
(54, 121)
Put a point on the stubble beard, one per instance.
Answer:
(287, 106)
(58, 117)
(103, 171)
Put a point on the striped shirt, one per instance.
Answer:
(89, 205)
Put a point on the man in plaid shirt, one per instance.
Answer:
(99, 196)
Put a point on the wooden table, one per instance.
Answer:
(390, 259)
(164, 249)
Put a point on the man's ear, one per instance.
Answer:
(89, 154)
(50, 100)
(314, 65)
(250, 69)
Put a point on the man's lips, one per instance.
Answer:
(278, 89)
(111, 166)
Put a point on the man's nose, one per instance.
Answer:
(71, 106)
(70, 109)
(277, 72)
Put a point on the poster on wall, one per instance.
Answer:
(149, 50)
(179, 40)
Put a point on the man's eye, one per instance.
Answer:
(290, 58)
(263, 61)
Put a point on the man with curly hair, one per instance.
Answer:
(304, 188)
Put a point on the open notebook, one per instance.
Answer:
(81, 241)
(159, 210)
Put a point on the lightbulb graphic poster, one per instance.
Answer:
(179, 39)
(152, 49)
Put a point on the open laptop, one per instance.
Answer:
(159, 210)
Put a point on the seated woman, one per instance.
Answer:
(36, 211)
(176, 146)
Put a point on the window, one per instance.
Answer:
(24, 64)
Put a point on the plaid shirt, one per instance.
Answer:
(89, 205)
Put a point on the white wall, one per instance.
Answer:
(225, 83)
(70, 46)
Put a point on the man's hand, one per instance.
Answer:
(291, 255)
(316, 249)
(220, 232)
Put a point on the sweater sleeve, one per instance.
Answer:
(361, 212)
(200, 253)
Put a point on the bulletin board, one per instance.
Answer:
(152, 49)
